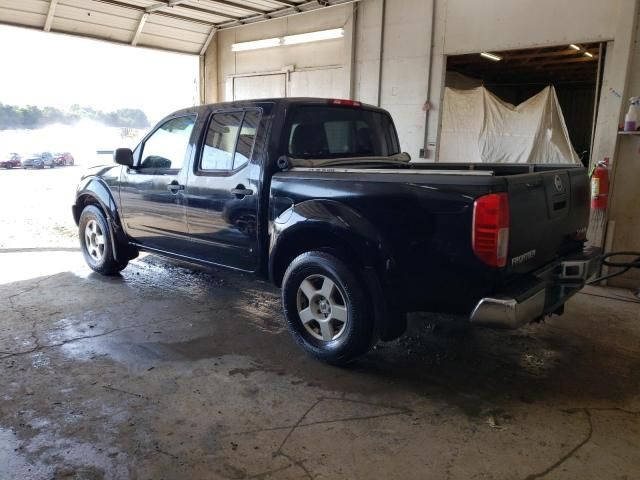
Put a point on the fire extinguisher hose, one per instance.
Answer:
(624, 266)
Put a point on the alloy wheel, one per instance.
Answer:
(94, 240)
(322, 308)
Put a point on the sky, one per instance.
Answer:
(48, 69)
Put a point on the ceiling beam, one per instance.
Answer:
(158, 6)
(165, 4)
(136, 36)
(304, 7)
(206, 43)
(558, 53)
(50, 14)
(521, 58)
(288, 3)
(118, 3)
(247, 8)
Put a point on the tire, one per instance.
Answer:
(95, 242)
(346, 327)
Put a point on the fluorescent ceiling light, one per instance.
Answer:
(491, 56)
(289, 40)
(575, 47)
(313, 36)
(589, 54)
(256, 44)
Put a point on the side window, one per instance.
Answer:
(247, 138)
(219, 146)
(166, 148)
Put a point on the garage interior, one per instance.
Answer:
(573, 70)
(167, 371)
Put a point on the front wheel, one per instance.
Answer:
(95, 241)
(326, 308)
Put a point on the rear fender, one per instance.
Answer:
(329, 224)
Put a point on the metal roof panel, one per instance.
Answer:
(178, 28)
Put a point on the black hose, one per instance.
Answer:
(624, 266)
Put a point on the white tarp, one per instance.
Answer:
(479, 127)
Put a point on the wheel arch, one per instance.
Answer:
(94, 191)
(322, 225)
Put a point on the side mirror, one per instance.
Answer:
(124, 156)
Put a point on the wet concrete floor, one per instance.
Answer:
(167, 372)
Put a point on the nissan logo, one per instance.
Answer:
(558, 183)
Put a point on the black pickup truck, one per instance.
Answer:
(316, 196)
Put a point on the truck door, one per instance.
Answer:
(222, 191)
(152, 194)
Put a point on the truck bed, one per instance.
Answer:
(425, 213)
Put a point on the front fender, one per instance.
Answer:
(99, 191)
(95, 190)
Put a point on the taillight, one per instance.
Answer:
(346, 103)
(490, 234)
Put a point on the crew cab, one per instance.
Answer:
(316, 196)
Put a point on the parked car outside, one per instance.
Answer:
(13, 160)
(39, 160)
(63, 159)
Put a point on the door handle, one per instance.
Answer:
(175, 187)
(240, 191)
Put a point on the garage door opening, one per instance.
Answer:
(573, 71)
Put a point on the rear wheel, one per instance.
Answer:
(95, 241)
(326, 308)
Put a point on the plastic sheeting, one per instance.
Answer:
(479, 127)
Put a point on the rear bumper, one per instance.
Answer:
(546, 292)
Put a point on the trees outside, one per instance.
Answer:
(28, 117)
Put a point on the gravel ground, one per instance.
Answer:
(36, 208)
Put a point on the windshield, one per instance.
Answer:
(338, 132)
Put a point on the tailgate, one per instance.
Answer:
(549, 214)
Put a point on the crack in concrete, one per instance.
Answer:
(268, 473)
(33, 287)
(296, 425)
(318, 422)
(299, 424)
(300, 464)
(114, 389)
(606, 409)
(83, 337)
(571, 452)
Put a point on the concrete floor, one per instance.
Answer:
(167, 372)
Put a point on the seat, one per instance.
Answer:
(309, 140)
(364, 141)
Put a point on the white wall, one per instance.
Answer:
(624, 200)
(323, 54)
(475, 26)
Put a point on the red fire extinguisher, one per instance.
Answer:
(600, 185)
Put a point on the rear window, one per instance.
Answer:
(334, 132)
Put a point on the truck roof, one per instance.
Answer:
(280, 101)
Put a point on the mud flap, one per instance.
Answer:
(390, 323)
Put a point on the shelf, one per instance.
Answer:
(628, 133)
